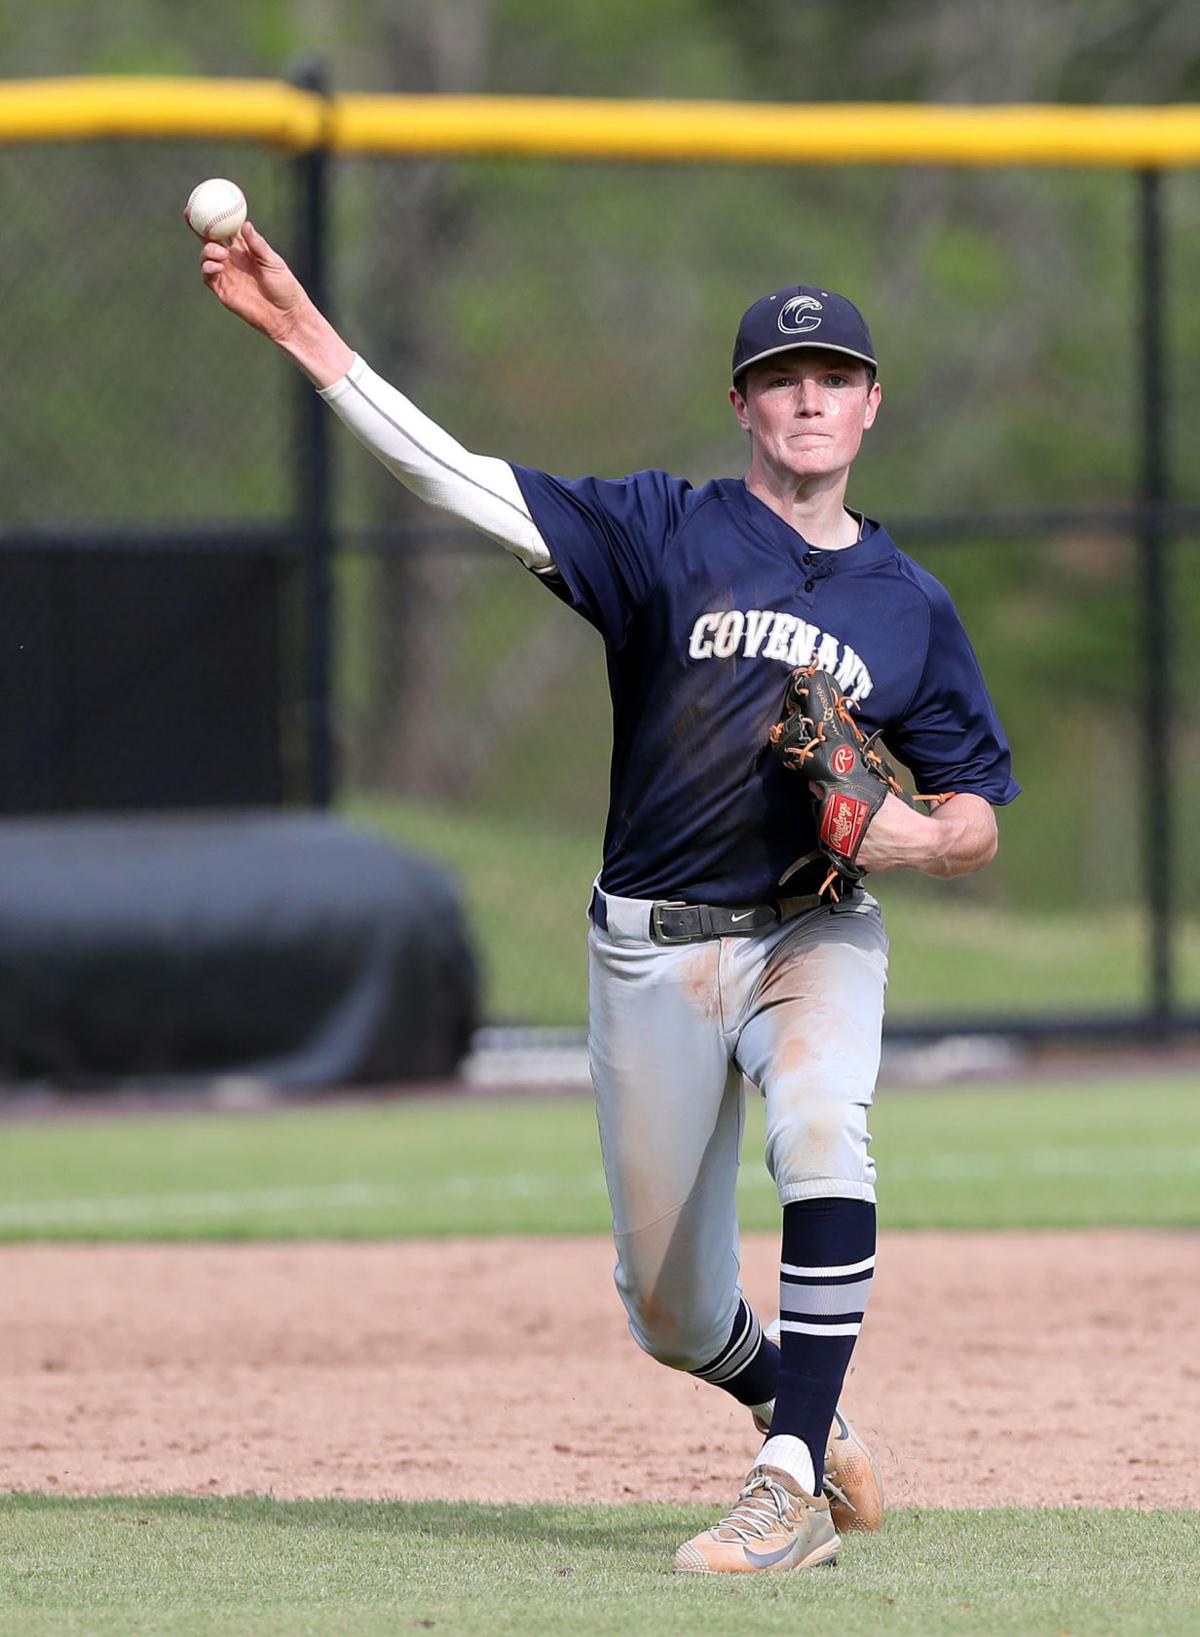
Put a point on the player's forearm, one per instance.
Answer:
(312, 342)
(966, 837)
(957, 838)
(478, 489)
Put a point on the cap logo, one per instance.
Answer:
(799, 315)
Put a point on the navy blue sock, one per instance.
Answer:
(748, 1364)
(825, 1277)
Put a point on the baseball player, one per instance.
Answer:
(731, 938)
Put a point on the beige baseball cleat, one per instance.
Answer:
(851, 1481)
(774, 1525)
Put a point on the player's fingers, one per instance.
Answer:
(258, 246)
(213, 251)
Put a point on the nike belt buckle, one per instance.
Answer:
(659, 933)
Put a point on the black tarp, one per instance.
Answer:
(295, 948)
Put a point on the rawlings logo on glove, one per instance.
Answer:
(848, 779)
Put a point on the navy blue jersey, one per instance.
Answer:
(706, 601)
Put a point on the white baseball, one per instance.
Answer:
(216, 209)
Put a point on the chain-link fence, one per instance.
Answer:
(579, 318)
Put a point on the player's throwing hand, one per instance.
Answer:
(254, 282)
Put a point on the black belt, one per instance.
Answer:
(673, 923)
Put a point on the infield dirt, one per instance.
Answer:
(1036, 1368)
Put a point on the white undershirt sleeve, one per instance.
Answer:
(479, 489)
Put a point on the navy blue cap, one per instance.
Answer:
(801, 316)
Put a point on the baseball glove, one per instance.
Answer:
(848, 779)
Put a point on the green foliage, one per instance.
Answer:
(311, 1568)
(1114, 1153)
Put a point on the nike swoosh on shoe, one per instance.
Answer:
(764, 1560)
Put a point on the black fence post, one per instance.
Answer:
(314, 470)
(1153, 498)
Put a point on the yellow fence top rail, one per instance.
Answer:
(797, 134)
(79, 110)
(562, 127)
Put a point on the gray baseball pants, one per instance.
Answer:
(797, 1009)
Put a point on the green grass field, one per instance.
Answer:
(948, 956)
(262, 1566)
(1120, 1152)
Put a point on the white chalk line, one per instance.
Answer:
(1163, 1162)
(332, 1196)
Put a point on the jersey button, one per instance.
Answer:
(807, 558)
(808, 585)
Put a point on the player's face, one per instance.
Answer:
(806, 411)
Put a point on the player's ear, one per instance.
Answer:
(739, 408)
(874, 399)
